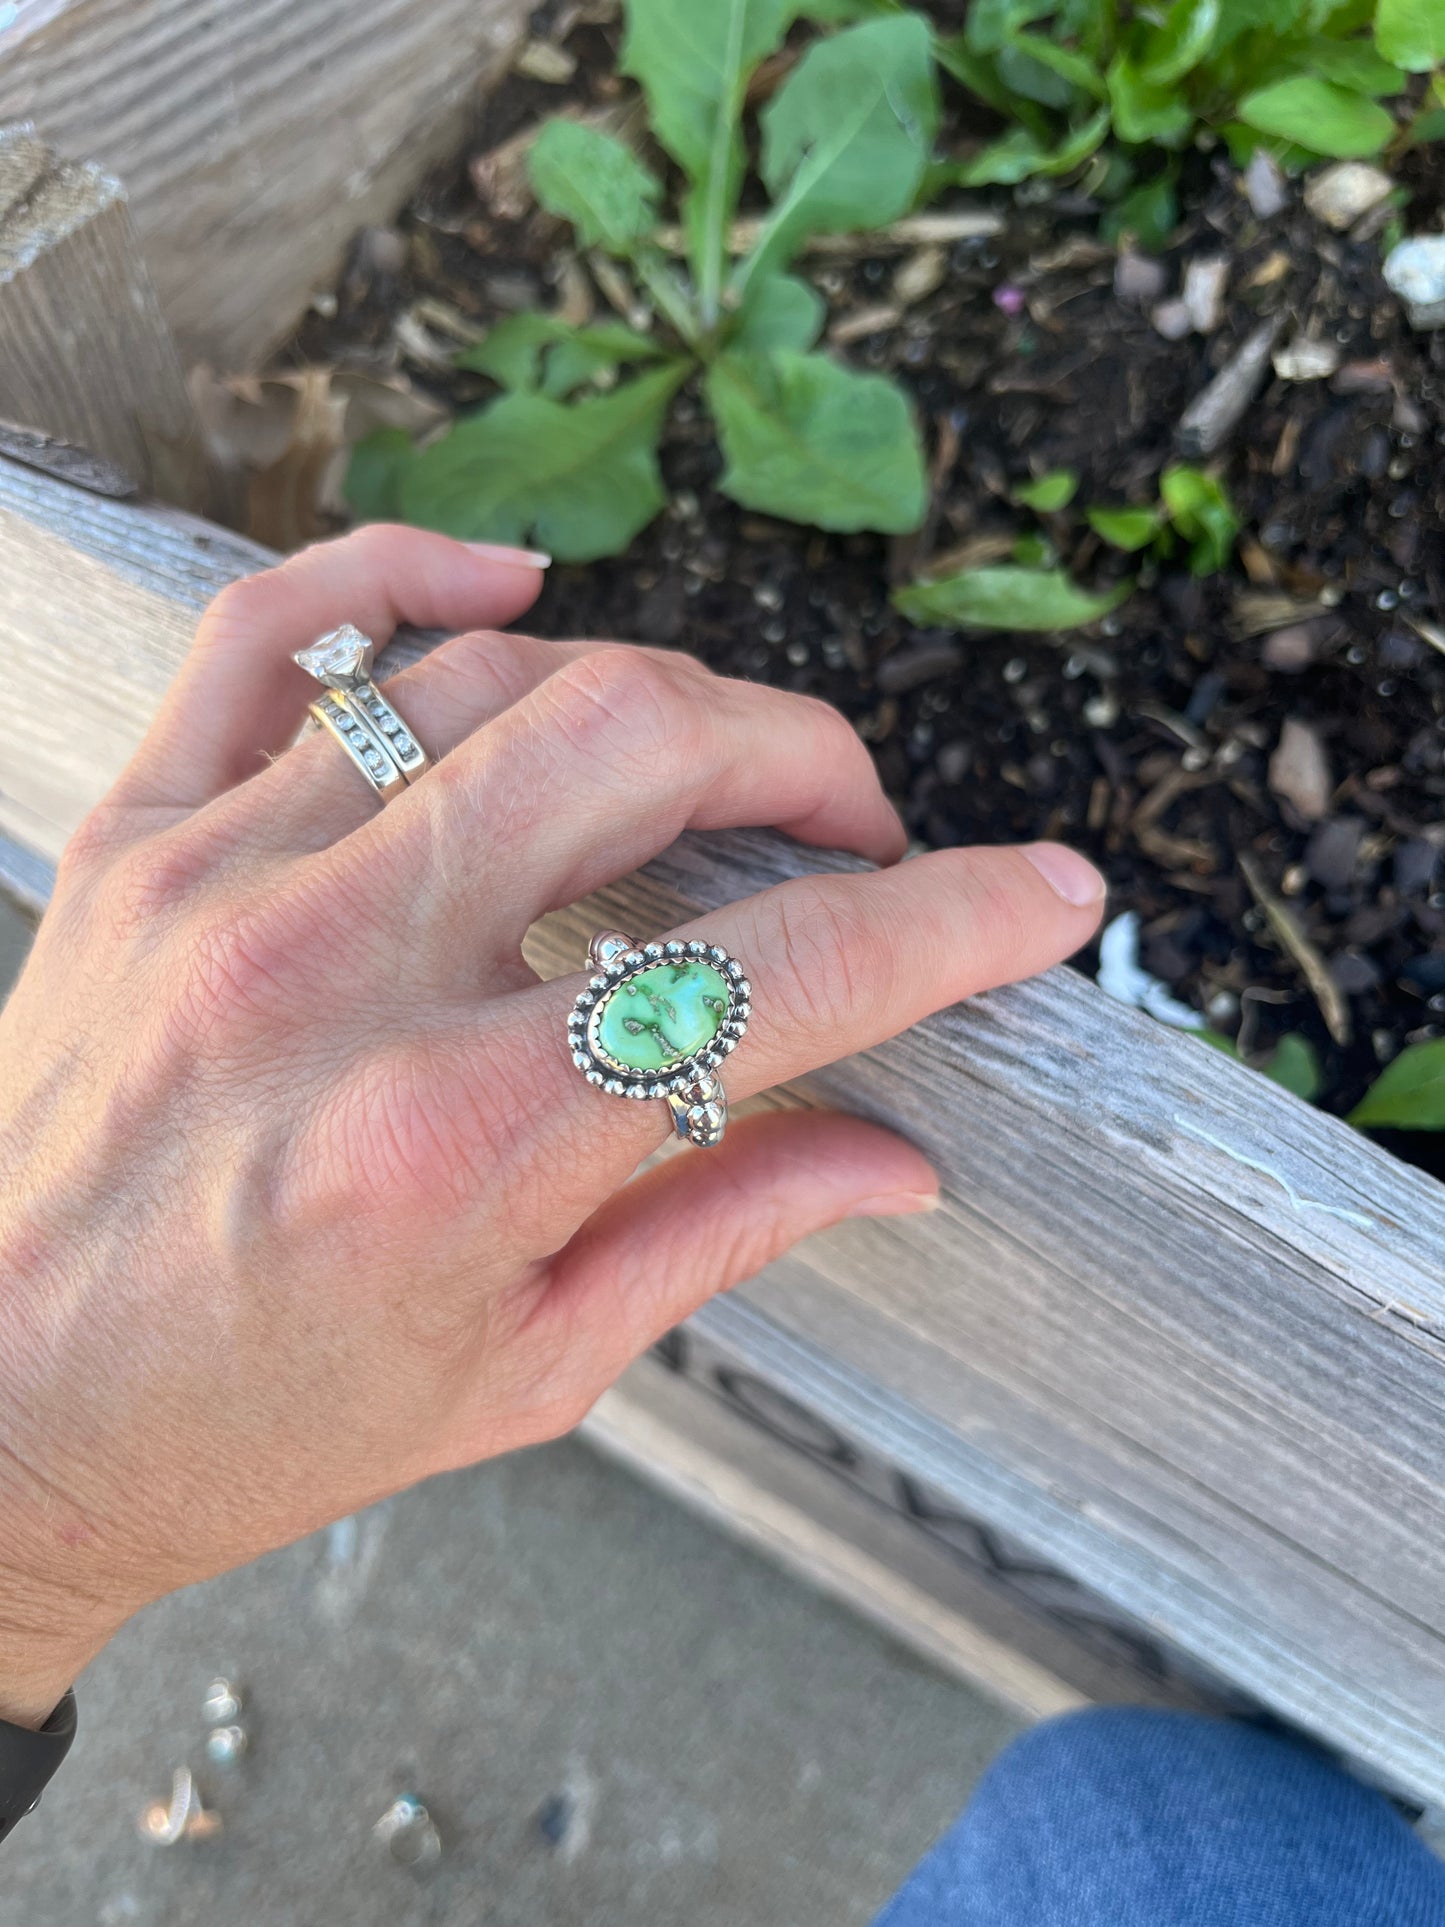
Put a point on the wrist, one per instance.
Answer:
(37, 1670)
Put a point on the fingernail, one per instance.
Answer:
(518, 558)
(896, 1204)
(1068, 874)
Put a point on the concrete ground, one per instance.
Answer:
(617, 1717)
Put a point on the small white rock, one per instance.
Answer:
(1415, 270)
(1299, 770)
(1173, 320)
(1341, 194)
(1139, 277)
(1204, 284)
(1306, 360)
(1264, 185)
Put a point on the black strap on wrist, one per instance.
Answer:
(29, 1761)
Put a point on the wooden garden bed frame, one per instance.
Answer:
(1158, 1396)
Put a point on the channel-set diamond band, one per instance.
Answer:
(357, 715)
(657, 1021)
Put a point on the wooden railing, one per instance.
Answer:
(1168, 1367)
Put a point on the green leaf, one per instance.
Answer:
(1076, 69)
(1144, 111)
(1181, 41)
(1018, 155)
(1318, 115)
(693, 63)
(1050, 492)
(781, 312)
(1411, 33)
(1150, 213)
(1030, 79)
(1015, 156)
(1128, 529)
(373, 475)
(513, 352)
(587, 353)
(843, 13)
(1349, 63)
(1198, 505)
(1004, 597)
(979, 73)
(1296, 1066)
(579, 479)
(810, 440)
(1409, 1094)
(595, 182)
(1034, 551)
(1076, 147)
(847, 138)
(992, 24)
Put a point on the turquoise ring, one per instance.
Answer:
(657, 1021)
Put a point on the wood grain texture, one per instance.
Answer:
(87, 356)
(1173, 1328)
(255, 138)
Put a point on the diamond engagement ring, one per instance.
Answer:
(657, 1021)
(356, 714)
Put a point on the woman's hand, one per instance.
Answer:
(301, 1197)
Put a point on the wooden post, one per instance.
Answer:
(254, 137)
(88, 368)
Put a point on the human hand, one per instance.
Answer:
(301, 1199)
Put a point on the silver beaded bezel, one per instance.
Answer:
(674, 1078)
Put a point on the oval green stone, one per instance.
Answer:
(661, 1015)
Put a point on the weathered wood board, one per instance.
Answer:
(253, 138)
(86, 358)
(1173, 1330)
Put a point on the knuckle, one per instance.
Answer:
(831, 957)
(93, 844)
(239, 966)
(620, 705)
(483, 666)
(151, 880)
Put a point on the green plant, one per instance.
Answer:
(1409, 1094)
(1307, 77)
(1032, 593)
(1193, 504)
(567, 456)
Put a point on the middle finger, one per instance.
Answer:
(599, 769)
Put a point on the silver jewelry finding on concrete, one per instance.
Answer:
(222, 1704)
(657, 1022)
(185, 1818)
(357, 715)
(226, 1744)
(409, 1833)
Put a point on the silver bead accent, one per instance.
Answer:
(226, 1744)
(652, 950)
(409, 1833)
(222, 1703)
(675, 949)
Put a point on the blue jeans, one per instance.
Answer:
(1132, 1818)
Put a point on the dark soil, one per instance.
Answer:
(1147, 742)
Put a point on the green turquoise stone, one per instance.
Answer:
(661, 1015)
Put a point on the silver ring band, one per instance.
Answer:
(367, 750)
(368, 727)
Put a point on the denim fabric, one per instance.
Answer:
(1134, 1818)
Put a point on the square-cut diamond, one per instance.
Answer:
(341, 659)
